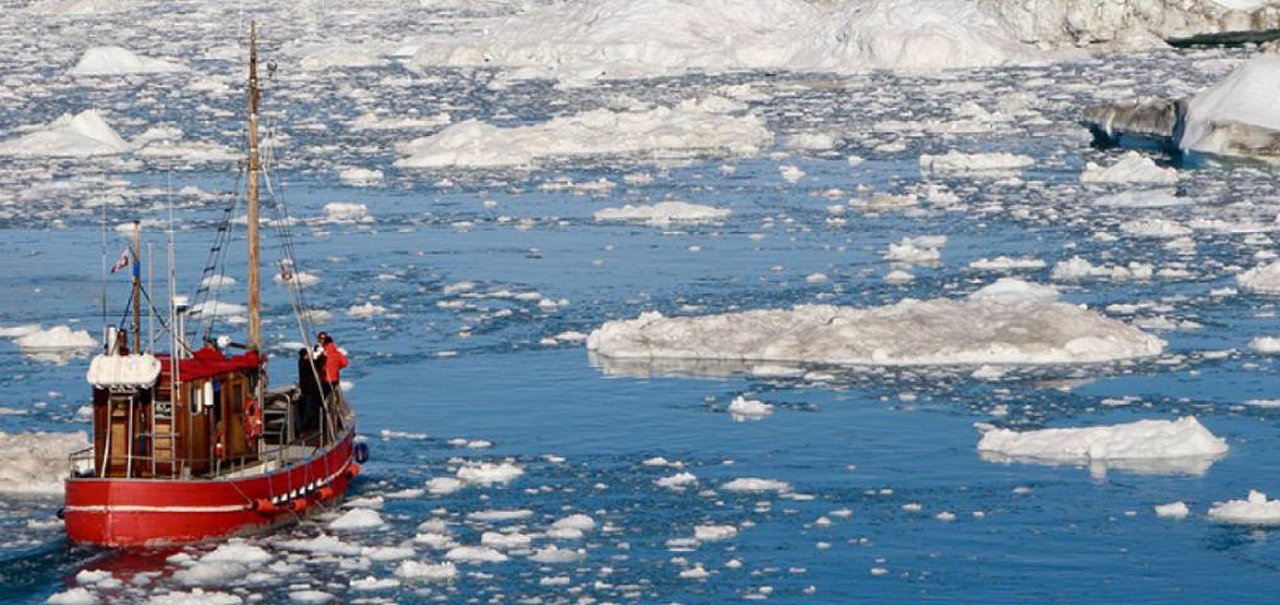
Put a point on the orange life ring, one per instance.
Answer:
(252, 419)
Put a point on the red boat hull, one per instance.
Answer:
(157, 512)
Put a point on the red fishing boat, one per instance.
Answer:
(193, 444)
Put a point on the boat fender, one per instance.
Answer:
(62, 512)
(361, 452)
(353, 470)
(325, 492)
(298, 505)
(262, 505)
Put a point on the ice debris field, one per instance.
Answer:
(685, 300)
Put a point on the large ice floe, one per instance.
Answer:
(36, 463)
(663, 213)
(1008, 322)
(1237, 116)
(1255, 509)
(118, 61)
(1147, 446)
(82, 135)
(619, 39)
(708, 126)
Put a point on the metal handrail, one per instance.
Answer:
(219, 467)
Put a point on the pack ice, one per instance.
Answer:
(1008, 322)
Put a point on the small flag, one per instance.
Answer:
(123, 261)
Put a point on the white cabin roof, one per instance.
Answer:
(137, 371)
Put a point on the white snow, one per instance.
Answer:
(36, 463)
(1145, 445)
(707, 126)
(118, 61)
(1256, 509)
(1022, 325)
(663, 213)
(1133, 167)
(1246, 98)
(82, 135)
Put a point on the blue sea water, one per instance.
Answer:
(442, 364)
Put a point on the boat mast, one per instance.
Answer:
(255, 322)
(137, 289)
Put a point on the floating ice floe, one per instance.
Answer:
(1146, 198)
(663, 213)
(119, 61)
(614, 39)
(475, 554)
(754, 484)
(55, 339)
(1255, 509)
(360, 177)
(1147, 446)
(921, 250)
(1011, 322)
(1234, 117)
(488, 473)
(1239, 115)
(742, 408)
(1264, 279)
(706, 126)
(82, 135)
(358, 519)
(1174, 510)
(427, 572)
(1133, 167)
(955, 162)
(346, 212)
(36, 463)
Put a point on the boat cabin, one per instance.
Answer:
(211, 425)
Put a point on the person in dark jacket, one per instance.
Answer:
(308, 419)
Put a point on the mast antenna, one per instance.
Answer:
(255, 321)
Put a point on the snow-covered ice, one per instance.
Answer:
(1021, 326)
(707, 126)
(1255, 509)
(1182, 445)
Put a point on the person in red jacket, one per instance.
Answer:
(334, 361)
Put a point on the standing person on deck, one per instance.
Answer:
(309, 383)
(334, 361)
